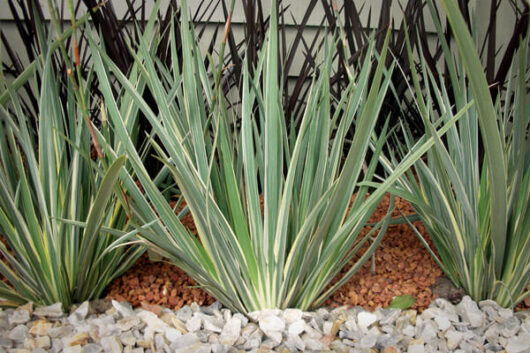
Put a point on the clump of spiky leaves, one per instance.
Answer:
(476, 211)
(248, 258)
(35, 21)
(55, 201)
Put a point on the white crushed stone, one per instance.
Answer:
(444, 327)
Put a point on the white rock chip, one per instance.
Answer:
(390, 316)
(54, 310)
(312, 333)
(431, 313)
(172, 320)
(510, 327)
(258, 315)
(43, 342)
(365, 319)
(272, 326)
(243, 318)
(73, 349)
(18, 333)
(219, 348)
(60, 331)
(292, 315)
(92, 348)
(152, 321)
(447, 308)
(184, 313)
(470, 313)
(128, 339)
(213, 324)
(297, 327)
(186, 343)
(194, 324)
(416, 346)
(212, 309)
(160, 343)
(20, 316)
(429, 332)
(38, 350)
(111, 344)
(409, 331)
(367, 341)
(519, 344)
(312, 344)
(254, 340)
(5, 342)
(248, 330)
(204, 348)
(76, 339)
(172, 334)
(79, 314)
(127, 323)
(124, 310)
(453, 339)
(294, 342)
(269, 344)
(443, 322)
(231, 331)
(387, 340)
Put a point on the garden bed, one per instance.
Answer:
(402, 266)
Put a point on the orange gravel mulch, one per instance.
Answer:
(157, 283)
(402, 266)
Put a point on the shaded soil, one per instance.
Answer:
(402, 266)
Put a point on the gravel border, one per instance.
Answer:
(103, 326)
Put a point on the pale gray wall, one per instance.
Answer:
(294, 15)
